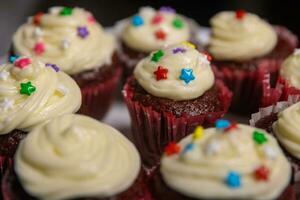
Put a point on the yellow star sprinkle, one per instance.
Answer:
(198, 133)
(189, 44)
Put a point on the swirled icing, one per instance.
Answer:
(290, 69)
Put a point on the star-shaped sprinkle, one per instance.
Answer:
(27, 88)
(22, 63)
(161, 73)
(188, 147)
(240, 14)
(172, 148)
(13, 58)
(189, 44)
(270, 152)
(198, 133)
(186, 75)
(178, 23)
(262, 173)
(157, 56)
(4, 75)
(37, 32)
(231, 127)
(39, 48)
(222, 124)
(296, 52)
(167, 9)
(212, 148)
(160, 34)
(208, 56)
(7, 104)
(157, 19)
(37, 18)
(65, 11)
(179, 50)
(91, 19)
(259, 137)
(82, 31)
(65, 44)
(53, 66)
(233, 179)
(137, 21)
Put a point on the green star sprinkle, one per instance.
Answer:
(178, 23)
(27, 88)
(157, 56)
(259, 137)
(66, 11)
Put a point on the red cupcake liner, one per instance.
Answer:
(153, 130)
(97, 98)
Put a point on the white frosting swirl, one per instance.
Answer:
(215, 154)
(290, 69)
(62, 44)
(56, 94)
(142, 38)
(173, 87)
(240, 39)
(76, 156)
(287, 129)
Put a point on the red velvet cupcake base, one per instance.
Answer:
(153, 130)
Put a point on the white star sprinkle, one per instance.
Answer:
(212, 148)
(62, 89)
(37, 32)
(297, 52)
(7, 104)
(270, 152)
(4, 75)
(65, 44)
(203, 60)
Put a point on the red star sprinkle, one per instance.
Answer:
(22, 63)
(161, 73)
(39, 48)
(262, 173)
(172, 148)
(160, 35)
(157, 19)
(37, 18)
(239, 14)
(232, 126)
(91, 19)
(208, 56)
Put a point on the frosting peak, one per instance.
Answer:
(32, 93)
(177, 72)
(290, 69)
(240, 37)
(74, 156)
(69, 37)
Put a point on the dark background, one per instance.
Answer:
(15, 12)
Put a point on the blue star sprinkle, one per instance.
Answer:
(186, 75)
(12, 59)
(188, 147)
(137, 21)
(222, 124)
(233, 179)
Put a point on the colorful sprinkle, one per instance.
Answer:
(231, 127)
(27, 88)
(161, 73)
(65, 44)
(189, 44)
(296, 52)
(137, 21)
(160, 34)
(179, 50)
(157, 19)
(7, 104)
(172, 148)
(212, 148)
(178, 23)
(208, 56)
(82, 31)
(62, 89)
(188, 147)
(4, 75)
(259, 137)
(39, 48)
(12, 59)
(186, 75)
(91, 19)
(53, 66)
(157, 56)
(239, 14)
(22, 63)
(222, 124)
(262, 173)
(65, 11)
(37, 18)
(233, 179)
(167, 9)
(198, 133)
(270, 152)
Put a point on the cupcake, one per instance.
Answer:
(150, 30)
(245, 48)
(72, 39)
(74, 157)
(172, 90)
(231, 161)
(31, 93)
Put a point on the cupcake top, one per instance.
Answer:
(287, 129)
(32, 92)
(177, 72)
(76, 156)
(240, 36)
(150, 30)
(237, 161)
(290, 69)
(69, 37)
